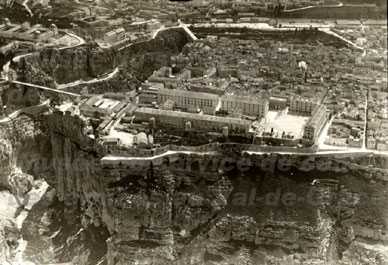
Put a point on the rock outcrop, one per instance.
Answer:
(51, 66)
(307, 210)
(22, 148)
(316, 211)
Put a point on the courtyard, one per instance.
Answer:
(281, 121)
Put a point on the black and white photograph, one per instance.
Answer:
(193, 132)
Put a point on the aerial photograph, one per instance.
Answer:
(193, 132)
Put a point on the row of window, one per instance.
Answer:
(184, 101)
(200, 124)
(301, 105)
(250, 108)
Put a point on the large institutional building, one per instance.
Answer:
(209, 103)
(190, 101)
(185, 121)
(250, 106)
(185, 109)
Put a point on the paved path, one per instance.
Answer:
(111, 159)
(117, 159)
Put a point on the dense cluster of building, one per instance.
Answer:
(338, 79)
(183, 109)
(26, 32)
(127, 32)
(230, 85)
(233, 81)
(377, 136)
(201, 108)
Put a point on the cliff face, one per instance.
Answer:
(171, 217)
(23, 148)
(188, 209)
(17, 96)
(5, 160)
(64, 65)
(66, 225)
(137, 61)
(194, 209)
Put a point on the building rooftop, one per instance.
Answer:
(251, 99)
(189, 116)
(185, 93)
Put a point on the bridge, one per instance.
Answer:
(52, 90)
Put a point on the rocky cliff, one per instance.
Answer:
(173, 217)
(137, 61)
(23, 148)
(189, 209)
(222, 209)
(195, 209)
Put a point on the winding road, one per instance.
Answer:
(80, 42)
(88, 82)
